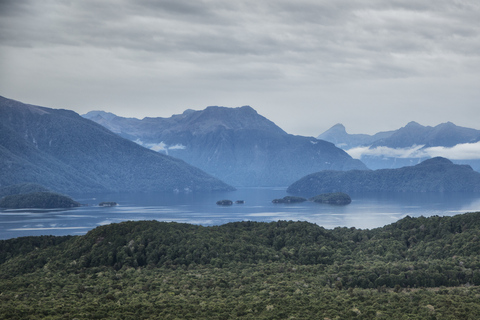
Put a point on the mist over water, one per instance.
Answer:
(366, 210)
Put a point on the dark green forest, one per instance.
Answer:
(332, 198)
(416, 268)
(43, 200)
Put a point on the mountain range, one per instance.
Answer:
(100, 151)
(409, 145)
(433, 175)
(236, 145)
(65, 152)
(339, 136)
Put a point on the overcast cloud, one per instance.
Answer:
(463, 151)
(373, 65)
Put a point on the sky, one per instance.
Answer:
(372, 65)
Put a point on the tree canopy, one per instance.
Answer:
(248, 270)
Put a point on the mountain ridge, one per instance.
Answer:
(444, 134)
(408, 145)
(65, 152)
(236, 145)
(338, 135)
(433, 175)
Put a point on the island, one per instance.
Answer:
(107, 204)
(224, 202)
(39, 200)
(338, 198)
(289, 199)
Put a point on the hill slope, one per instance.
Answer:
(433, 175)
(22, 188)
(236, 145)
(157, 244)
(38, 200)
(67, 153)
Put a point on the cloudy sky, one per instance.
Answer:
(372, 65)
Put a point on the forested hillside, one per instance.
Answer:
(432, 175)
(43, 200)
(69, 154)
(248, 270)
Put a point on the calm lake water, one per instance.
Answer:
(366, 210)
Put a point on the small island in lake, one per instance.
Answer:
(289, 199)
(224, 202)
(107, 204)
(39, 200)
(339, 198)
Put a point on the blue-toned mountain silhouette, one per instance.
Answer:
(339, 136)
(236, 145)
(406, 146)
(433, 175)
(65, 152)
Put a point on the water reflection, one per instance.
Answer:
(366, 210)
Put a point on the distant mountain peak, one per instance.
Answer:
(188, 111)
(436, 161)
(221, 110)
(413, 124)
(448, 124)
(214, 118)
(338, 135)
(338, 128)
(237, 145)
(248, 108)
(99, 113)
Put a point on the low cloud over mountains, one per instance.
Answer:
(461, 151)
(409, 145)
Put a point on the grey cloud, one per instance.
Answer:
(463, 151)
(191, 9)
(291, 50)
(333, 30)
(411, 152)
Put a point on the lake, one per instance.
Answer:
(366, 210)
